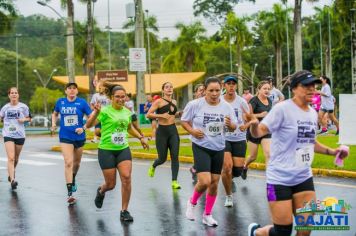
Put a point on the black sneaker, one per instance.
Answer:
(8, 178)
(99, 199)
(125, 216)
(14, 185)
(244, 173)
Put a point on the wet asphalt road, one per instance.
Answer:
(38, 206)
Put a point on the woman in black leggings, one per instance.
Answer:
(165, 111)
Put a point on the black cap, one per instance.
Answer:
(70, 84)
(268, 78)
(303, 77)
(230, 78)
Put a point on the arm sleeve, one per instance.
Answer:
(2, 112)
(101, 117)
(93, 99)
(232, 114)
(244, 106)
(26, 111)
(274, 119)
(253, 103)
(188, 112)
(280, 94)
(57, 106)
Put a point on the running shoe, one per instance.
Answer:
(99, 199)
(125, 216)
(8, 178)
(209, 220)
(337, 132)
(229, 201)
(175, 184)
(323, 132)
(74, 188)
(244, 173)
(194, 174)
(252, 228)
(233, 186)
(14, 185)
(151, 171)
(71, 200)
(190, 212)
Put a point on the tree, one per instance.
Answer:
(214, 10)
(236, 29)
(273, 28)
(187, 53)
(7, 15)
(44, 99)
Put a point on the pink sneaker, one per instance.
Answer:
(71, 200)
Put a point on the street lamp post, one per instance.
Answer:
(271, 57)
(149, 51)
(70, 37)
(230, 51)
(44, 84)
(109, 35)
(321, 50)
(17, 59)
(330, 56)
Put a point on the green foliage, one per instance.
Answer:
(44, 96)
(7, 15)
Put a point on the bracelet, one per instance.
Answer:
(327, 151)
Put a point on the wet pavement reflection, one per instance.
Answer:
(38, 206)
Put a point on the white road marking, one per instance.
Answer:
(30, 162)
(57, 157)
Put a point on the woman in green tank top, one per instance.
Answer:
(113, 151)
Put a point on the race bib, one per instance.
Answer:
(71, 120)
(12, 129)
(213, 129)
(304, 156)
(118, 139)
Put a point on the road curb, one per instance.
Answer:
(256, 166)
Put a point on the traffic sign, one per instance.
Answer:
(137, 59)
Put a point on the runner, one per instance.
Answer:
(275, 94)
(260, 105)
(293, 126)
(235, 144)
(205, 118)
(247, 95)
(165, 111)
(101, 98)
(327, 106)
(71, 134)
(146, 107)
(13, 115)
(114, 153)
(199, 91)
(129, 104)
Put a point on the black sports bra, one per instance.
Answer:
(171, 108)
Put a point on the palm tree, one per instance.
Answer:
(187, 53)
(273, 25)
(7, 15)
(236, 28)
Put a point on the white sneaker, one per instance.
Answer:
(229, 201)
(190, 212)
(252, 228)
(209, 220)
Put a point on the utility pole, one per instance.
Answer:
(139, 43)
(149, 51)
(90, 47)
(353, 51)
(321, 50)
(330, 56)
(271, 65)
(17, 59)
(109, 35)
(70, 40)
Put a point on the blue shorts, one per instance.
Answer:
(76, 143)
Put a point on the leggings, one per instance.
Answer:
(167, 138)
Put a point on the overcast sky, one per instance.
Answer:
(168, 12)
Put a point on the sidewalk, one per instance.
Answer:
(257, 166)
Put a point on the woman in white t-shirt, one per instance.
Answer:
(205, 119)
(327, 106)
(14, 115)
(293, 126)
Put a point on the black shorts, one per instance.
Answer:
(76, 143)
(17, 141)
(109, 159)
(281, 192)
(237, 149)
(256, 140)
(207, 160)
(327, 111)
(133, 117)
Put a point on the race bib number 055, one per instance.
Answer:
(118, 139)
